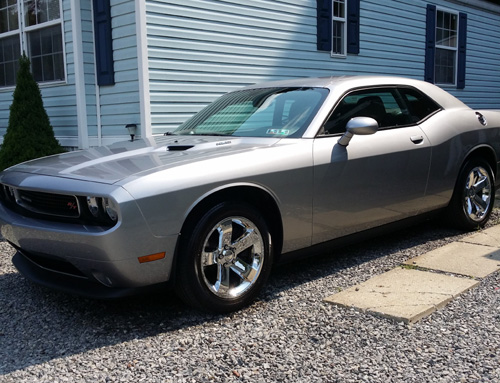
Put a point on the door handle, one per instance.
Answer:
(417, 139)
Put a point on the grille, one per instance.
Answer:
(55, 265)
(43, 203)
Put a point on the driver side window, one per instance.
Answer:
(380, 104)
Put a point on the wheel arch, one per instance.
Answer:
(487, 153)
(253, 195)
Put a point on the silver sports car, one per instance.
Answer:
(260, 173)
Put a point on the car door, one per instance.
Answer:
(375, 179)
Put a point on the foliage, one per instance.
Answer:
(29, 133)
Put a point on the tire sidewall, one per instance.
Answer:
(190, 277)
(458, 214)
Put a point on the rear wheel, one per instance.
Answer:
(474, 195)
(225, 259)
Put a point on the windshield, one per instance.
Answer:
(268, 112)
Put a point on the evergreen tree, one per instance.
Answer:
(29, 133)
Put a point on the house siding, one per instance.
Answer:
(198, 50)
(108, 108)
(59, 99)
(119, 103)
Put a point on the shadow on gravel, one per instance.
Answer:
(38, 325)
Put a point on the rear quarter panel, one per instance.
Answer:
(454, 135)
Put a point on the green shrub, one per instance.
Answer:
(29, 133)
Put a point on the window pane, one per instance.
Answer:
(8, 16)
(41, 11)
(46, 54)
(46, 40)
(10, 73)
(10, 51)
(35, 45)
(4, 21)
(58, 63)
(48, 68)
(338, 38)
(338, 8)
(446, 29)
(53, 9)
(30, 12)
(445, 66)
(419, 105)
(36, 68)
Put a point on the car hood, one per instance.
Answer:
(110, 164)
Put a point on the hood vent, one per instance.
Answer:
(178, 148)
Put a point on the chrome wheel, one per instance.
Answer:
(477, 194)
(232, 257)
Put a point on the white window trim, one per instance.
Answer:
(444, 47)
(343, 20)
(23, 31)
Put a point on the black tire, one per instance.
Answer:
(224, 272)
(474, 196)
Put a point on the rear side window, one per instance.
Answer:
(419, 105)
(383, 105)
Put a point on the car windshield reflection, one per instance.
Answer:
(268, 112)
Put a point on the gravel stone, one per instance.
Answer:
(288, 335)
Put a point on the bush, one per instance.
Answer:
(29, 133)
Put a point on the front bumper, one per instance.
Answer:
(89, 261)
(73, 283)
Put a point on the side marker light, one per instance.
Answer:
(151, 257)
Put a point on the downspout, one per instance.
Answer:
(81, 102)
(143, 69)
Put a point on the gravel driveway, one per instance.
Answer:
(289, 335)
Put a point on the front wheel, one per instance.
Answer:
(225, 259)
(473, 197)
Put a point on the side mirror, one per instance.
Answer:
(358, 125)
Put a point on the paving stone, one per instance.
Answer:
(461, 258)
(403, 294)
(487, 237)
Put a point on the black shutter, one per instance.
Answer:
(462, 49)
(324, 25)
(353, 26)
(103, 42)
(430, 43)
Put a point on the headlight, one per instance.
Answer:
(100, 210)
(93, 206)
(110, 208)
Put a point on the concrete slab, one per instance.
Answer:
(461, 258)
(487, 237)
(403, 294)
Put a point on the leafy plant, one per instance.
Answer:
(29, 133)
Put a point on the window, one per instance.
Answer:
(39, 35)
(338, 26)
(418, 105)
(445, 47)
(266, 112)
(9, 42)
(391, 107)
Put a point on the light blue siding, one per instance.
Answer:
(198, 50)
(120, 102)
(59, 100)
